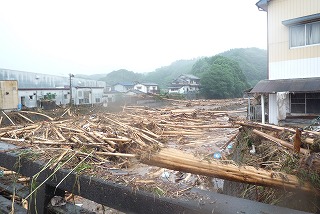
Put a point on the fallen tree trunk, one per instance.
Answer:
(177, 160)
(276, 140)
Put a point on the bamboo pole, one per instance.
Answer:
(177, 160)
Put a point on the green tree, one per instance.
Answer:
(252, 61)
(220, 77)
(122, 75)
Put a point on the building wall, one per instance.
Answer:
(286, 62)
(28, 98)
(152, 88)
(120, 88)
(36, 80)
(273, 109)
(141, 87)
(9, 95)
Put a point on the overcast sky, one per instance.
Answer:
(99, 36)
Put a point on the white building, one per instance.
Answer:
(293, 85)
(123, 86)
(31, 97)
(147, 87)
(184, 84)
(35, 87)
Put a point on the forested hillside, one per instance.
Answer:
(220, 77)
(252, 61)
(164, 75)
(245, 67)
(122, 75)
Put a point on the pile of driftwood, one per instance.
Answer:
(143, 133)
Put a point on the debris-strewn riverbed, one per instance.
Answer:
(204, 138)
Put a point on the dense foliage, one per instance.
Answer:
(122, 75)
(220, 77)
(252, 61)
(164, 75)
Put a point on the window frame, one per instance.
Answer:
(305, 35)
(307, 97)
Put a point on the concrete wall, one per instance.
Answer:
(8, 95)
(120, 88)
(88, 95)
(28, 97)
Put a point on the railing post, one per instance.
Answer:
(38, 202)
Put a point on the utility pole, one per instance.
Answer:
(70, 85)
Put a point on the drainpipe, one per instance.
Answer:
(262, 110)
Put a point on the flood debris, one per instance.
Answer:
(134, 145)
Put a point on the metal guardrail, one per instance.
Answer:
(124, 198)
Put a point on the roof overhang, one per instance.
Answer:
(302, 20)
(302, 85)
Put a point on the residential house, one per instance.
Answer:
(185, 83)
(123, 86)
(293, 84)
(147, 87)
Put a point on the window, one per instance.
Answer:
(305, 103)
(65, 96)
(97, 100)
(306, 34)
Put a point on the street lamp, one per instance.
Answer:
(70, 85)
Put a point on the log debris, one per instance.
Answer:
(177, 160)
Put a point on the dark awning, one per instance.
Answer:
(287, 85)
